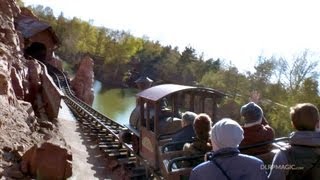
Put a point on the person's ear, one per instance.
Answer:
(214, 146)
(182, 123)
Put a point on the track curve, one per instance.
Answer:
(121, 158)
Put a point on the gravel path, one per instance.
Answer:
(88, 162)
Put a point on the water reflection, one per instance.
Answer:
(116, 104)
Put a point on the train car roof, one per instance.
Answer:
(155, 93)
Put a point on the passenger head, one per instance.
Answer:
(164, 104)
(188, 118)
(226, 133)
(202, 125)
(304, 116)
(251, 112)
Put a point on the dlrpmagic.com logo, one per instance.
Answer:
(283, 167)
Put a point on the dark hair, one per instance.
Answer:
(202, 125)
(304, 116)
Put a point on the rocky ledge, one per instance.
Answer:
(27, 141)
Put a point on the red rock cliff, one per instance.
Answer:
(20, 81)
(82, 83)
(10, 52)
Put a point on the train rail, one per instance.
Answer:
(121, 157)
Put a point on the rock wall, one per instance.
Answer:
(16, 80)
(51, 94)
(82, 83)
(10, 51)
(20, 80)
(16, 131)
(13, 72)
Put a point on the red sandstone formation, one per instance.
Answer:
(19, 80)
(17, 83)
(9, 48)
(56, 62)
(82, 84)
(34, 79)
(48, 161)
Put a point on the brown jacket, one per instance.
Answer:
(257, 134)
(198, 146)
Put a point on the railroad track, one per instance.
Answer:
(121, 157)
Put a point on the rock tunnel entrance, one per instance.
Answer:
(36, 50)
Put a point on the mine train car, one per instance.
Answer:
(157, 117)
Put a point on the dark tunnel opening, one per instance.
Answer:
(37, 51)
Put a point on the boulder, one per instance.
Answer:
(82, 83)
(17, 86)
(34, 79)
(13, 172)
(47, 161)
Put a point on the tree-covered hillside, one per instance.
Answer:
(120, 56)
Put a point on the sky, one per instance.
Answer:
(233, 30)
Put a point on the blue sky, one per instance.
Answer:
(237, 31)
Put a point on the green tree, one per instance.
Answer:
(61, 26)
(167, 67)
(301, 68)
(149, 55)
(260, 79)
(70, 41)
(188, 55)
(308, 92)
(44, 13)
(227, 80)
(87, 39)
(186, 65)
(119, 48)
(102, 39)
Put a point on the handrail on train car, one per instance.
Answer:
(183, 158)
(164, 136)
(163, 148)
(189, 158)
(263, 143)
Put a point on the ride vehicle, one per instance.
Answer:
(157, 117)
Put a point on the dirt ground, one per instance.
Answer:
(88, 162)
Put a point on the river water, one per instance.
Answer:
(115, 103)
